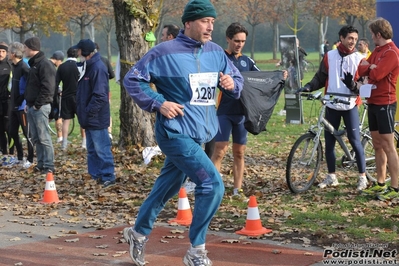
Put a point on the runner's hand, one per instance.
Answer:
(170, 109)
(226, 82)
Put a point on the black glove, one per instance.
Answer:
(349, 82)
(303, 89)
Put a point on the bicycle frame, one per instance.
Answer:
(324, 124)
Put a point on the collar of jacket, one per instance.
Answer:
(36, 58)
(94, 58)
(343, 51)
(189, 41)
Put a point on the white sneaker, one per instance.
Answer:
(27, 164)
(197, 258)
(331, 180)
(64, 145)
(362, 183)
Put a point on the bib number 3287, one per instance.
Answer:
(203, 88)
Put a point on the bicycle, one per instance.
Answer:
(53, 128)
(308, 66)
(303, 163)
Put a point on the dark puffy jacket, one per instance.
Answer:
(92, 97)
(5, 70)
(41, 81)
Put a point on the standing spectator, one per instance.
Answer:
(17, 119)
(382, 69)
(330, 75)
(92, 104)
(184, 121)
(230, 112)
(335, 45)
(5, 71)
(363, 47)
(39, 94)
(57, 58)
(111, 75)
(322, 49)
(326, 47)
(169, 32)
(301, 56)
(68, 74)
(106, 62)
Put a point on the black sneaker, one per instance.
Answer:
(37, 169)
(45, 171)
(108, 183)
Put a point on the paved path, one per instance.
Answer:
(27, 243)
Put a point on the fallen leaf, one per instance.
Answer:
(230, 241)
(72, 240)
(100, 254)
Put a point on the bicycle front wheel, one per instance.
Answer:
(71, 126)
(311, 67)
(52, 127)
(303, 163)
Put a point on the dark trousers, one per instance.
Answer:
(3, 126)
(18, 119)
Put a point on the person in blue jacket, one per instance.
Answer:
(93, 111)
(186, 71)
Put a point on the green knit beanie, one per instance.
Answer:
(196, 9)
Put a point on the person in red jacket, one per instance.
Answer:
(382, 69)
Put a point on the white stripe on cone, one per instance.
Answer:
(50, 185)
(183, 204)
(253, 213)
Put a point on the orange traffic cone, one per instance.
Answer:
(253, 225)
(50, 193)
(184, 215)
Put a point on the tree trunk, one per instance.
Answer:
(253, 42)
(136, 125)
(82, 30)
(109, 54)
(275, 38)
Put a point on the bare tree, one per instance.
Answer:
(320, 11)
(84, 12)
(367, 12)
(107, 24)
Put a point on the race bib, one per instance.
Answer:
(203, 87)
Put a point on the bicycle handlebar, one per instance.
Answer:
(318, 96)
